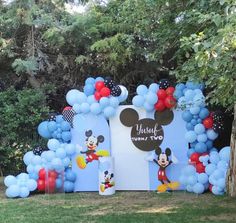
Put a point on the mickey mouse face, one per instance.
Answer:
(162, 157)
(108, 176)
(92, 141)
(146, 134)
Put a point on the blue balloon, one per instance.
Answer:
(91, 99)
(209, 144)
(85, 107)
(187, 116)
(201, 147)
(109, 112)
(90, 80)
(57, 163)
(49, 155)
(192, 180)
(218, 174)
(114, 102)
(124, 94)
(59, 183)
(142, 90)
(66, 136)
(189, 126)
(70, 175)
(222, 165)
(214, 157)
(65, 126)
(28, 157)
(99, 79)
(13, 191)
(68, 186)
(66, 161)
(10, 180)
(199, 129)
(31, 185)
(95, 108)
(189, 94)
(221, 183)
(198, 188)
(36, 160)
(178, 94)
(72, 96)
(104, 102)
(210, 168)
(194, 122)
(148, 106)
(61, 153)
(204, 113)
(189, 170)
(70, 149)
(43, 130)
(53, 144)
(52, 126)
(151, 98)
(199, 100)
(217, 190)
(59, 120)
(189, 188)
(202, 138)
(190, 136)
(81, 98)
(195, 110)
(154, 87)
(138, 100)
(190, 152)
(33, 176)
(89, 89)
(202, 178)
(30, 168)
(24, 192)
(225, 154)
(180, 86)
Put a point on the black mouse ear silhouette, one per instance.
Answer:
(88, 133)
(168, 151)
(158, 151)
(129, 117)
(165, 117)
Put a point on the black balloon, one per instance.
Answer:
(109, 83)
(164, 84)
(116, 91)
(217, 116)
(218, 127)
(38, 150)
(52, 116)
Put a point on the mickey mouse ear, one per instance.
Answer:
(129, 117)
(165, 117)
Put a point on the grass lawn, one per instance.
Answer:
(177, 207)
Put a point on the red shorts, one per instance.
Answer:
(162, 175)
(92, 157)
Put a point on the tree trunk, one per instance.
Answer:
(231, 176)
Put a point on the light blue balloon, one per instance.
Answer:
(183, 180)
(91, 99)
(66, 136)
(210, 168)
(36, 160)
(85, 107)
(151, 98)
(198, 188)
(13, 191)
(180, 86)
(189, 188)
(148, 107)
(28, 157)
(72, 96)
(37, 168)
(59, 183)
(81, 98)
(217, 191)
(99, 79)
(104, 102)
(202, 138)
(52, 126)
(90, 80)
(218, 174)
(142, 90)
(68, 186)
(190, 136)
(65, 126)
(209, 144)
(95, 108)
(66, 161)
(200, 147)
(187, 116)
(202, 178)
(225, 154)
(22, 176)
(189, 170)
(10, 180)
(199, 100)
(43, 130)
(61, 153)
(89, 89)
(189, 94)
(70, 175)
(195, 110)
(221, 183)
(30, 168)
(199, 129)
(124, 93)
(59, 119)
(114, 102)
(53, 144)
(194, 122)
(24, 192)
(192, 180)
(189, 126)
(70, 149)
(222, 165)
(204, 113)
(214, 157)
(178, 94)
(109, 112)
(138, 101)
(50, 155)
(33, 176)
(57, 163)
(154, 87)
(190, 152)
(31, 185)
(182, 102)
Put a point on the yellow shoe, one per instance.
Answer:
(102, 187)
(81, 162)
(173, 185)
(162, 188)
(112, 183)
(102, 153)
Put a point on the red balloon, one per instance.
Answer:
(194, 158)
(97, 95)
(170, 91)
(52, 174)
(42, 174)
(50, 185)
(208, 122)
(67, 108)
(200, 168)
(161, 94)
(160, 106)
(99, 85)
(41, 185)
(105, 92)
(170, 102)
(204, 154)
(210, 187)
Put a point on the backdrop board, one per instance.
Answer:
(91, 134)
(137, 138)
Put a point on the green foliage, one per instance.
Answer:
(20, 113)
(25, 66)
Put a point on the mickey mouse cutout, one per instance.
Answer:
(147, 134)
(91, 143)
(108, 183)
